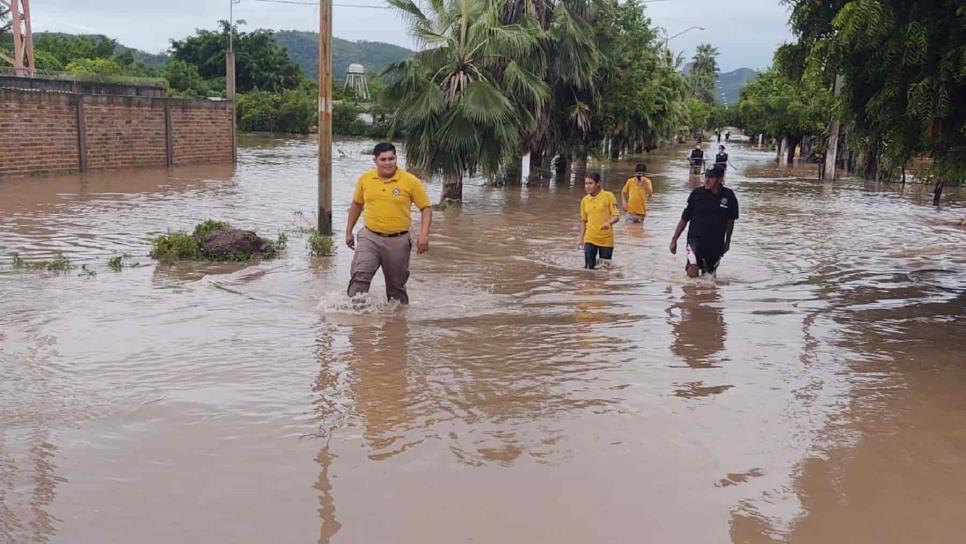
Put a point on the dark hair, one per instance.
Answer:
(721, 147)
(641, 167)
(594, 176)
(715, 171)
(382, 147)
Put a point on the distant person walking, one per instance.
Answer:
(384, 197)
(712, 210)
(728, 136)
(697, 159)
(598, 214)
(721, 159)
(717, 133)
(637, 190)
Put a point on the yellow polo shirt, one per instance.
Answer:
(387, 202)
(636, 195)
(596, 211)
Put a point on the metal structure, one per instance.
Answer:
(355, 79)
(23, 38)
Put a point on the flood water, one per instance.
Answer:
(816, 393)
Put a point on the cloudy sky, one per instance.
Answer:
(745, 32)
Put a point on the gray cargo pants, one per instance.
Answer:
(391, 253)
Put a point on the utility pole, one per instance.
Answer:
(325, 117)
(833, 138)
(230, 77)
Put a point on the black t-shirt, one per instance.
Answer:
(708, 214)
(721, 158)
(697, 154)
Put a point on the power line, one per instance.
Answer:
(316, 4)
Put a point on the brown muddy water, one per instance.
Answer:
(816, 393)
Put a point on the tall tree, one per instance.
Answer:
(904, 71)
(260, 63)
(704, 73)
(451, 100)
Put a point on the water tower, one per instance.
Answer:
(355, 79)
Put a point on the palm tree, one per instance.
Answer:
(704, 73)
(451, 100)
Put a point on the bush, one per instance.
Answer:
(175, 246)
(291, 111)
(321, 246)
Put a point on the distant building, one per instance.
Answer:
(355, 79)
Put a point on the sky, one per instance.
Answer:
(746, 32)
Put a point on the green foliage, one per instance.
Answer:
(345, 119)
(175, 246)
(777, 106)
(699, 114)
(202, 229)
(452, 101)
(282, 241)
(115, 263)
(185, 81)
(904, 70)
(260, 63)
(95, 67)
(321, 246)
(288, 111)
(303, 48)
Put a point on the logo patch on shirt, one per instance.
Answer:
(396, 191)
(724, 202)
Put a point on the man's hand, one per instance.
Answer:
(350, 240)
(624, 208)
(422, 245)
(580, 244)
(727, 246)
(605, 226)
(674, 246)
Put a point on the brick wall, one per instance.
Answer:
(38, 134)
(43, 132)
(200, 134)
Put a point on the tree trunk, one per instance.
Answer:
(514, 171)
(870, 160)
(781, 149)
(580, 169)
(562, 168)
(452, 190)
(615, 150)
(833, 138)
(793, 142)
(536, 162)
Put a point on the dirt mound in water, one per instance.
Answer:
(235, 244)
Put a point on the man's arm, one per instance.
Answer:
(354, 212)
(728, 230)
(583, 229)
(649, 186)
(624, 198)
(426, 221)
(677, 234)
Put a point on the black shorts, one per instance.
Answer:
(706, 256)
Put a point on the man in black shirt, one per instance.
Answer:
(712, 211)
(721, 159)
(697, 159)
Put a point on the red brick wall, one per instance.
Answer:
(39, 132)
(201, 135)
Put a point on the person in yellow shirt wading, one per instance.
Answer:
(598, 214)
(635, 193)
(384, 197)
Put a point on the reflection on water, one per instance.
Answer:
(519, 398)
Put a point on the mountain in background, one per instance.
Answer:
(730, 84)
(303, 47)
(150, 60)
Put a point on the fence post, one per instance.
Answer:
(81, 133)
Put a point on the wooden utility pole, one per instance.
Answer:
(325, 117)
(833, 138)
(230, 78)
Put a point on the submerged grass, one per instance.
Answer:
(115, 263)
(182, 246)
(59, 263)
(321, 246)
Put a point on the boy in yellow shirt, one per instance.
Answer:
(598, 214)
(635, 193)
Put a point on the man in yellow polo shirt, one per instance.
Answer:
(635, 193)
(598, 214)
(384, 197)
